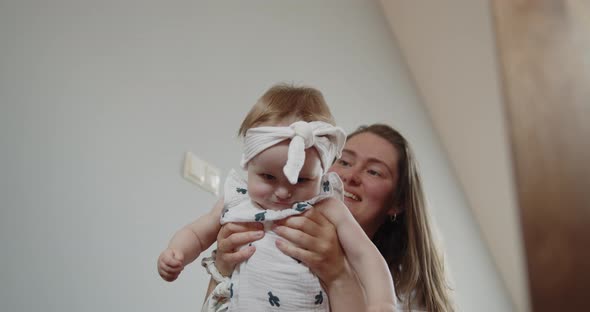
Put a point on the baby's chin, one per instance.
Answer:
(276, 206)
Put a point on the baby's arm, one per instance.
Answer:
(188, 243)
(364, 257)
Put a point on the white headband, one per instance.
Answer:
(327, 139)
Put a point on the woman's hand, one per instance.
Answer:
(313, 241)
(229, 239)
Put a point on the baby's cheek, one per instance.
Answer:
(258, 191)
(312, 191)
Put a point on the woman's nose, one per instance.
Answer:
(351, 176)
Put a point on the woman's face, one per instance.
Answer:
(368, 168)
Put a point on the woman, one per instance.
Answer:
(384, 193)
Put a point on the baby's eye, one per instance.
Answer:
(343, 162)
(267, 176)
(303, 180)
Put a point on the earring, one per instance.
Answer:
(393, 218)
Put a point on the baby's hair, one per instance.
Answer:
(285, 102)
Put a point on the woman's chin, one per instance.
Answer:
(350, 202)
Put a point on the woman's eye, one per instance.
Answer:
(267, 176)
(343, 162)
(374, 172)
(302, 180)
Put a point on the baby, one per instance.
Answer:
(290, 141)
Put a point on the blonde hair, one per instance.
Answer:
(289, 102)
(407, 244)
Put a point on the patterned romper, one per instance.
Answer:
(271, 280)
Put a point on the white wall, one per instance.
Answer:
(100, 99)
(450, 50)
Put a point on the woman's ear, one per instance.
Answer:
(395, 210)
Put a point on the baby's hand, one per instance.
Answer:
(170, 264)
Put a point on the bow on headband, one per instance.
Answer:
(327, 139)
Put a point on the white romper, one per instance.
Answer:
(271, 280)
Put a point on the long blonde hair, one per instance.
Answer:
(406, 243)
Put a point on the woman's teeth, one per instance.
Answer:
(350, 195)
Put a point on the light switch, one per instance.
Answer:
(194, 168)
(212, 179)
(201, 173)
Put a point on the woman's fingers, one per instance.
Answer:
(316, 216)
(312, 239)
(226, 261)
(230, 238)
(293, 251)
(295, 236)
(235, 240)
(309, 231)
(230, 228)
(310, 223)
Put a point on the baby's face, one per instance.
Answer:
(268, 186)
